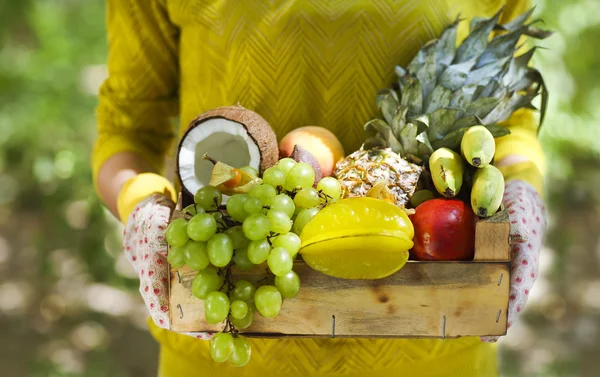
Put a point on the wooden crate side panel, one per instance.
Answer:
(492, 241)
(433, 299)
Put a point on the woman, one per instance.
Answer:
(295, 62)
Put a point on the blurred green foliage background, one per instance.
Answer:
(68, 298)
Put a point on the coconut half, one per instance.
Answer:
(233, 135)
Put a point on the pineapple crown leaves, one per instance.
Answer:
(446, 88)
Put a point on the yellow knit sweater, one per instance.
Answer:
(297, 63)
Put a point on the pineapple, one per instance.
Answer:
(362, 169)
(442, 92)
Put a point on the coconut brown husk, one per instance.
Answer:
(256, 126)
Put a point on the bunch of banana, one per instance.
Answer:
(447, 170)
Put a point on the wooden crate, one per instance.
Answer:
(423, 299)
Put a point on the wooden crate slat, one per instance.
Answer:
(411, 303)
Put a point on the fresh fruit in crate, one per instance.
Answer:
(420, 197)
(319, 141)
(478, 146)
(380, 190)
(448, 94)
(487, 191)
(446, 168)
(229, 180)
(358, 238)
(444, 230)
(359, 171)
(299, 154)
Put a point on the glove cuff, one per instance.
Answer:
(140, 187)
(526, 211)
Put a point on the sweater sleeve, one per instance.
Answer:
(139, 97)
(522, 144)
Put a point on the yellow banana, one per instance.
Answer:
(487, 191)
(478, 146)
(446, 168)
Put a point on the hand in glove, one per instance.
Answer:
(527, 216)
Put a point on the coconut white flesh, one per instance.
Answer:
(223, 140)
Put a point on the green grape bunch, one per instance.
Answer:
(259, 228)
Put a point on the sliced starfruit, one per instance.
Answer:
(380, 190)
(229, 180)
(358, 238)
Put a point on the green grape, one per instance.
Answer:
(268, 301)
(258, 251)
(253, 205)
(216, 307)
(208, 197)
(241, 352)
(177, 233)
(303, 218)
(245, 322)
(307, 197)
(280, 222)
(220, 250)
(302, 175)
(196, 256)
(201, 227)
(280, 261)
(330, 187)
(289, 241)
(285, 165)
(263, 192)
(236, 234)
(176, 256)
(243, 290)
(420, 197)
(274, 177)
(240, 258)
(249, 170)
(284, 204)
(193, 209)
(218, 216)
(239, 309)
(288, 285)
(221, 347)
(235, 207)
(256, 227)
(206, 281)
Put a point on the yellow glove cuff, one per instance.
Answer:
(139, 188)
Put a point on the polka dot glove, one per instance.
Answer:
(527, 216)
(146, 248)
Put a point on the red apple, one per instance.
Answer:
(444, 230)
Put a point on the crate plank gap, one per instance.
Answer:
(423, 299)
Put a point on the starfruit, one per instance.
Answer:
(380, 190)
(358, 238)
